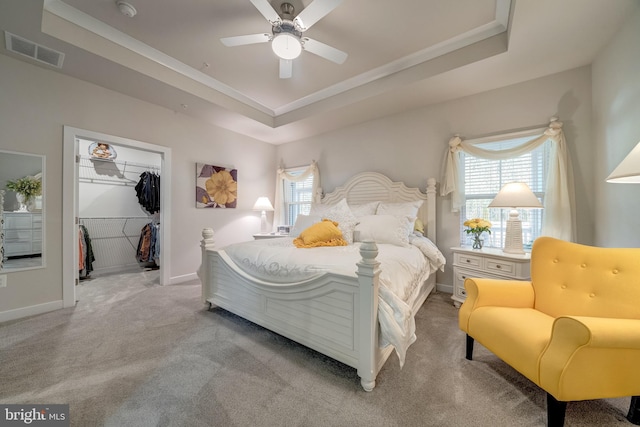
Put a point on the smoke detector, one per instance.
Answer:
(126, 9)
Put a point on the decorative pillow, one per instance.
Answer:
(385, 229)
(303, 222)
(400, 209)
(418, 226)
(339, 213)
(319, 209)
(364, 209)
(323, 233)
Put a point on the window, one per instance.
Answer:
(484, 178)
(297, 196)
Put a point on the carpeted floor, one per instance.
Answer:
(133, 353)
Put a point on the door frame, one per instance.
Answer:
(70, 205)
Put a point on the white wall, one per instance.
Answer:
(616, 129)
(35, 105)
(410, 147)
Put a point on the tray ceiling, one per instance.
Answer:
(170, 54)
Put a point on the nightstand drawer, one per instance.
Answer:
(459, 290)
(499, 266)
(467, 260)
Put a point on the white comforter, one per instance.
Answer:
(403, 269)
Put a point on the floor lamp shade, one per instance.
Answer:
(628, 171)
(263, 204)
(515, 195)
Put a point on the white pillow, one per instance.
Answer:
(400, 209)
(302, 223)
(385, 229)
(339, 213)
(364, 209)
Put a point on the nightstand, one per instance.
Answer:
(259, 236)
(486, 263)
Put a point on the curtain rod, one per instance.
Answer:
(504, 134)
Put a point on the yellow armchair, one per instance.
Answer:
(574, 329)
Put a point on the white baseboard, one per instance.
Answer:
(184, 278)
(441, 287)
(32, 310)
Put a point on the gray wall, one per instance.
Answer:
(616, 130)
(410, 147)
(36, 103)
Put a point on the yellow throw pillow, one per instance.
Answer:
(419, 226)
(323, 233)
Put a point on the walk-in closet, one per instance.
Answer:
(118, 209)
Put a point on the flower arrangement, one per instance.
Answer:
(477, 226)
(28, 186)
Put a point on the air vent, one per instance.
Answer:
(33, 50)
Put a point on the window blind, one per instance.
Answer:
(297, 197)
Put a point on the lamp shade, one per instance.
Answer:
(515, 195)
(263, 204)
(628, 171)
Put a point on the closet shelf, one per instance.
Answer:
(113, 172)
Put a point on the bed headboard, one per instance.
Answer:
(373, 186)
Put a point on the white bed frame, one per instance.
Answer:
(332, 314)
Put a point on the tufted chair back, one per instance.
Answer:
(577, 280)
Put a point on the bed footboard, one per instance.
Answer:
(368, 277)
(332, 314)
(206, 243)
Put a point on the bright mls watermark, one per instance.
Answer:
(34, 415)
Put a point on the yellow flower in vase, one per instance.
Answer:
(476, 227)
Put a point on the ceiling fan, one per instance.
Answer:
(286, 33)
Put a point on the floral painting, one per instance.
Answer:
(216, 186)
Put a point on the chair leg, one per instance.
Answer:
(555, 412)
(469, 354)
(634, 411)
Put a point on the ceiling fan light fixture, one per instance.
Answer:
(286, 46)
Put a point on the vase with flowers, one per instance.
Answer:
(476, 227)
(26, 189)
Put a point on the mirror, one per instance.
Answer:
(21, 211)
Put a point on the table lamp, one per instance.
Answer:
(263, 204)
(515, 195)
(628, 171)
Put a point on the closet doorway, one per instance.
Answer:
(95, 178)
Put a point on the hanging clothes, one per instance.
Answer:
(86, 256)
(149, 244)
(148, 191)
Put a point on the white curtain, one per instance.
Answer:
(559, 215)
(282, 177)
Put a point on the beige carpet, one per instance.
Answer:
(132, 353)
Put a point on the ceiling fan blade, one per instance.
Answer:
(317, 10)
(324, 50)
(286, 68)
(248, 39)
(265, 8)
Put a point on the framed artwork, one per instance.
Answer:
(216, 186)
